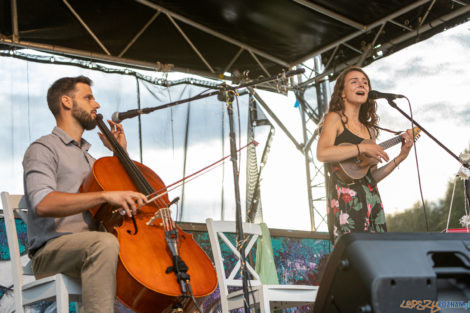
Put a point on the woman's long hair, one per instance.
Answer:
(367, 113)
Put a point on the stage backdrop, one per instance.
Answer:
(298, 261)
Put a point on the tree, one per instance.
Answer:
(412, 220)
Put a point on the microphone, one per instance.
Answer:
(373, 94)
(117, 117)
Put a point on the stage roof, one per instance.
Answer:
(212, 37)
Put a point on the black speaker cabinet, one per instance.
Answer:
(396, 272)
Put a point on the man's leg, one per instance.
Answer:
(91, 256)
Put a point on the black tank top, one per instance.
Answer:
(347, 136)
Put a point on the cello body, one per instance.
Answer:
(142, 282)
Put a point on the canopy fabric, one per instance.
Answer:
(212, 37)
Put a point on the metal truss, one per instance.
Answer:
(373, 49)
(346, 42)
(174, 18)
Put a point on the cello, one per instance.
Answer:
(159, 264)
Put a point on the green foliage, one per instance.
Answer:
(412, 220)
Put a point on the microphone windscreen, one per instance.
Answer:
(115, 117)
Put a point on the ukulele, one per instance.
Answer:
(357, 167)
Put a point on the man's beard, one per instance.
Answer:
(83, 117)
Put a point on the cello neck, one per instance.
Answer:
(131, 169)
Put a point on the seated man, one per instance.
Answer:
(61, 232)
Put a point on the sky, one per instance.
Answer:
(433, 74)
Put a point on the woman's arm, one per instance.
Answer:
(380, 173)
(328, 152)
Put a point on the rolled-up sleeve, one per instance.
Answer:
(40, 173)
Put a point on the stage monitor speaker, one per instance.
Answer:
(392, 272)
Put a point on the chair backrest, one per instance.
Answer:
(14, 205)
(217, 231)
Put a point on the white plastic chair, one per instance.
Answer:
(59, 286)
(267, 297)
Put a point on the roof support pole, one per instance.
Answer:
(274, 117)
(88, 29)
(459, 2)
(365, 29)
(311, 208)
(191, 43)
(370, 46)
(401, 25)
(332, 56)
(235, 57)
(330, 13)
(427, 12)
(351, 47)
(213, 32)
(139, 33)
(259, 63)
(14, 21)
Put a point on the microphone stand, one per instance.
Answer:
(226, 94)
(282, 76)
(394, 105)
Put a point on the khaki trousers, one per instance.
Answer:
(91, 256)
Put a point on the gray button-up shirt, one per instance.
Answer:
(54, 162)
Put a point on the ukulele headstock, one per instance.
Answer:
(414, 132)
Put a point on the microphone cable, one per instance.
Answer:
(417, 166)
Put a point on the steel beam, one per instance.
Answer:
(350, 47)
(311, 208)
(190, 43)
(133, 40)
(427, 12)
(329, 13)
(98, 57)
(359, 32)
(274, 117)
(385, 46)
(14, 21)
(401, 25)
(88, 29)
(370, 47)
(259, 63)
(235, 57)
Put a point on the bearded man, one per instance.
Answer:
(62, 234)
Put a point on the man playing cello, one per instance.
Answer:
(61, 232)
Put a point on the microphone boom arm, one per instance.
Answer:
(136, 112)
(394, 105)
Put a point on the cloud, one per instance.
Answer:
(418, 67)
(442, 111)
(465, 114)
(462, 39)
(383, 84)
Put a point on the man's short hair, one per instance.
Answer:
(63, 86)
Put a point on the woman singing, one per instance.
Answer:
(354, 206)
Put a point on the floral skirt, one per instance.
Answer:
(356, 207)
